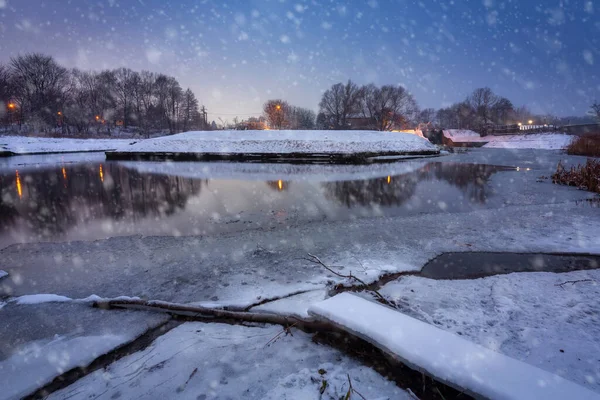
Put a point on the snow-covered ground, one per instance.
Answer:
(284, 142)
(206, 361)
(40, 145)
(530, 316)
(246, 267)
(461, 135)
(548, 141)
(542, 141)
(40, 342)
(446, 356)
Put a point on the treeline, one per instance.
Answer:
(348, 106)
(38, 93)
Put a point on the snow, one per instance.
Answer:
(39, 342)
(200, 361)
(549, 141)
(3, 274)
(445, 355)
(542, 141)
(460, 134)
(38, 363)
(523, 315)
(41, 298)
(294, 305)
(37, 145)
(284, 142)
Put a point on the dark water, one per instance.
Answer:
(480, 264)
(98, 200)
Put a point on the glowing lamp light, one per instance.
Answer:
(97, 117)
(101, 173)
(18, 182)
(11, 106)
(530, 122)
(520, 124)
(278, 107)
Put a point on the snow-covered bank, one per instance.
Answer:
(39, 145)
(542, 141)
(201, 361)
(284, 142)
(530, 316)
(448, 357)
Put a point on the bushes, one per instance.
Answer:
(585, 146)
(585, 177)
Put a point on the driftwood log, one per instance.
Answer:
(204, 313)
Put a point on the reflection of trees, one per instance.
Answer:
(392, 191)
(54, 201)
(279, 185)
(471, 179)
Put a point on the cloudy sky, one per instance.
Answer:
(236, 54)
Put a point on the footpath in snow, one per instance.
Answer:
(542, 141)
(260, 145)
(22, 145)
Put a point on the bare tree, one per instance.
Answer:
(124, 88)
(595, 110)
(38, 85)
(277, 113)
(389, 107)
(339, 103)
(483, 100)
(302, 118)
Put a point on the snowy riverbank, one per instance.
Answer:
(541, 141)
(21, 145)
(289, 143)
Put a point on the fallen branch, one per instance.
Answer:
(574, 282)
(202, 313)
(316, 260)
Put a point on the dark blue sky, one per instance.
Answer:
(237, 54)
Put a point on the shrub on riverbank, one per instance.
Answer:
(585, 146)
(585, 177)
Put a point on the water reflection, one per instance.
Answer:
(89, 201)
(470, 179)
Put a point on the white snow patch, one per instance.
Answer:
(198, 360)
(460, 134)
(38, 363)
(40, 298)
(285, 142)
(3, 274)
(34, 145)
(523, 315)
(297, 305)
(445, 355)
(542, 141)
(549, 141)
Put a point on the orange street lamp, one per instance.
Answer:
(97, 117)
(59, 113)
(278, 107)
(11, 106)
